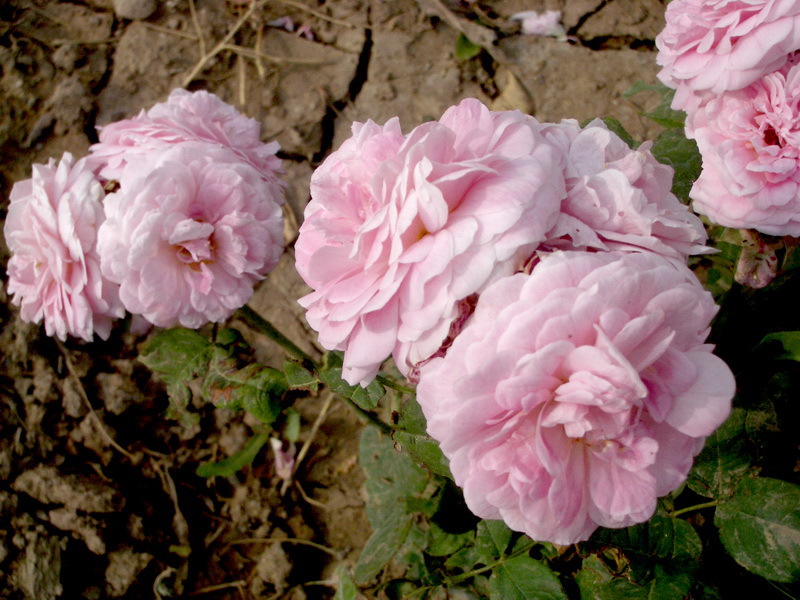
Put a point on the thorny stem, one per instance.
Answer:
(252, 318)
(676, 513)
(390, 383)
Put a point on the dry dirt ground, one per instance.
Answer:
(98, 492)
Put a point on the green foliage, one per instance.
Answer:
(177, 356)
(614, 125)
(492, 540)
(465, 49)
(787, 341)
(411, 435)
(724, 460)
(523, 578)
(760, 527)
(392, 480)
(660, 538)
(346, 590)
(254, 388)
(651, 560)
(331, 375)
(662, 114)
(674, 149)
(228, 466)
(298, 377)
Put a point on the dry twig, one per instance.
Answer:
(307, 444)
(85, 398)
(198, 68)
(316, 13)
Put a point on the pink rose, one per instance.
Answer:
(400, 229)
(721, 45)
(750, 143)
(579, 394)
(184, 117)
(54, 273)
(189, 233)
(619, 198)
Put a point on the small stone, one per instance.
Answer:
(134, 9)
(48, 486)
(123, 568)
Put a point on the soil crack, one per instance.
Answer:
(353, 90)
(573, 31)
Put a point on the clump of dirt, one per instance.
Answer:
(98, 492)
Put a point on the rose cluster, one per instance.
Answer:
(174, 216)
(532, 278)
(734, 66)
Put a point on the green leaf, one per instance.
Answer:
(346, 590)
(491, 540)
(254, 388)
(410, 417)
(523, 578)
(425, 450)
(664, 586)
(614, 125)
(464, 559)
(787, 341)
(292, 429)
(659, 538)
(674, 149)
(393, 482)
(366, 398)
(228, 466)
(725, 459)
(760, 528)
(178, 356)
(465, 49)
(444, 543)
(387, 537)
(596, 582)
(298, 377)
(391, 475)
(663, 113)
(592, 575)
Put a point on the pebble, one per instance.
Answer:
(134, 9)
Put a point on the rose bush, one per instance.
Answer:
(190, 231)
(619, 198)
(401, 229)
(721, 45)
(578, 395)
(54, 271)
(184, 117)
(750, 144)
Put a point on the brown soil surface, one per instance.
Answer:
(98, 492)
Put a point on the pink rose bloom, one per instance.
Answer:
(750, 143)
(579, 394)
(189, 233)
(54, 273)
(400, 229)
(545, 23)
(619, 198)
(721, 45)
(184, 117)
